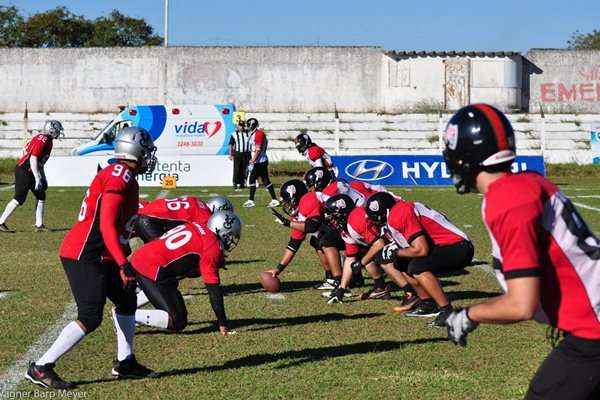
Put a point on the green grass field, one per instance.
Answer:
(297, 347)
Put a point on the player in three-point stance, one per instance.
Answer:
(544, 254)
(94, 257)
(30, 176)
(187, 251)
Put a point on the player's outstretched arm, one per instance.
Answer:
(215, 295)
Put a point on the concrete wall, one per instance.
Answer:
(569, 81)
(421, 83)
(562, 138)
(274, 79)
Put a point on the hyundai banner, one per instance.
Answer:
(409, 170)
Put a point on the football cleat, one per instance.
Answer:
(131, 369)
(407, 303)
(327, 284)
(41, 228)
(45, 377)
(5, 228)
(440, 320)
(273, 203)
(248, 204)
(328, 293)
(376, 294)
(424, 309)
(337, 295)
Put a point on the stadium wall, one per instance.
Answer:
(569, 81)
(560, 137)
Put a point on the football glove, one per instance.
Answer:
(280, 218)
(356, 266)
(250, 168)
(387, 254)
(459, 326)
(128, 277)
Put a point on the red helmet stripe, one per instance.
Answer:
(497, 125)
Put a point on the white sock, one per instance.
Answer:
(10, 208)
(68, 338)
(125, 330)
(142, 299)
(39, 213)
(154, 318)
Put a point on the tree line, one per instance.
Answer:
(60, 27)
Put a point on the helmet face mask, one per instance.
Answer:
(54, 129)
(478, 138)
(251, 124)
(337, 209)
(302, 142)
(378, 207)
(317, 179)
(135, 144)
(228, 228)
(291, 192)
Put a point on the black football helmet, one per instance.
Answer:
(318, 178)
(336, 210)
(251, 124)
(478, 138)
(302, 142)
(378, 207)
(291, 192)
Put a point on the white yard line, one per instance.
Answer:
(586, 207)
(4, 295)
(9, 187)
(16, 372)
(591, 196)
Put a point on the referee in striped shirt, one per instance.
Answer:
(239, 151)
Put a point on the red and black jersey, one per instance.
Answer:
(187, 250)
(408, 220)
(367, 189)
(101, 228)
(536, 231)
(361, 232)
(308, 206)
(40, 146)
(184, 209)
(318, 157)
(258, 142)
(340, 187)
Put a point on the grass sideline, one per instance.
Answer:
(298, 347)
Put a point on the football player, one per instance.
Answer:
(544, 254)
(359, 234)
(30, 176)
(159, 216)
(258, 168)
(305, 211)
(94, 257)
(315, 154)
(186, 251)
(427, 243)
(323, 182)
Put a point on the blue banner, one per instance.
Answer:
(411, 170)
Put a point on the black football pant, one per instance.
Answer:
(571, 371)
(91, 283)
(165, 295)
(240, 165)
(25, 182)
(440, 260)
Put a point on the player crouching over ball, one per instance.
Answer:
(187, 251)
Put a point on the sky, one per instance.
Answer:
(510, 25)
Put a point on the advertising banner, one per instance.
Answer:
(187, 171)
(411, 170)
(595, 143)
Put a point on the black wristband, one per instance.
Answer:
(281, 267)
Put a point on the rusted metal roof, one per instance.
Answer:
(415, 54)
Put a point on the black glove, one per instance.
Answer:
(459, 326)
(387, 254)
(356, 266)
(128, 277)
(280, 218)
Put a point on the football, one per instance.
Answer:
(269, 283)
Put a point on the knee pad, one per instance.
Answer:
(91, 321)
(128, 305)
(20, 198)
(40, 195)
